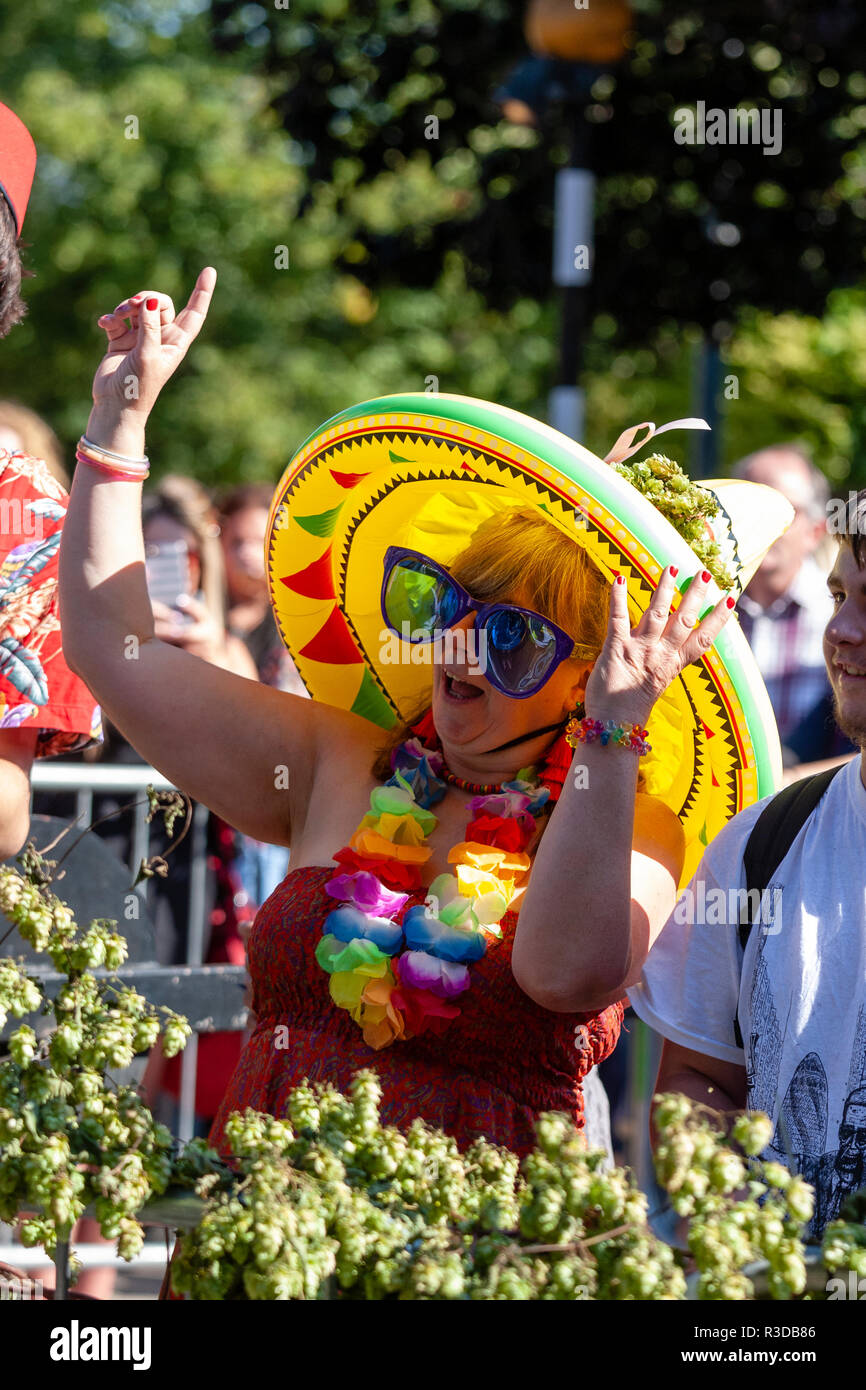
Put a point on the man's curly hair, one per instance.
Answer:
(12, 306)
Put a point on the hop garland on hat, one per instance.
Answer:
(398, 980)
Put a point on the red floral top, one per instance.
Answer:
(37, 688)
(498, 1066)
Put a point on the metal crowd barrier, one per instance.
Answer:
(210, 996)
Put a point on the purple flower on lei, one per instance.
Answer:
(537, 796)
(417, 768)
(504, 803)
(444, 978)
(364, 891)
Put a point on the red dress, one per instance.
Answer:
(491, 1072)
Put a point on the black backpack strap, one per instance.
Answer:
(773, 834)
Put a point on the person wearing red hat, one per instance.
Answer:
(44, 708)
(17, 167)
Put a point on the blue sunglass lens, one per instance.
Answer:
(506, 630)
(448, 603)
(521, 651)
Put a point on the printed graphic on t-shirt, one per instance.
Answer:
(764, 1049)
(835, 1164)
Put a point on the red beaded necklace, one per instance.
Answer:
(475, 788)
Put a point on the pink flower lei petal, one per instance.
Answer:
(366, 892)
(500, 804)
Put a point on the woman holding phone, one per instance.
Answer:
(186, 574)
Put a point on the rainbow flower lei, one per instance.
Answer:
(399, 979)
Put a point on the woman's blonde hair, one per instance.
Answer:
(518, 556)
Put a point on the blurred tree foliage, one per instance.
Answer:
(786, 376)
(158, 155)
(699, 231)
(357, 140)
(683, 231)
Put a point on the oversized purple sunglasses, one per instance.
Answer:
(421, 600)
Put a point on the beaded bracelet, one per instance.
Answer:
(587, 730)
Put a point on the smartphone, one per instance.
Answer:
(167, 568)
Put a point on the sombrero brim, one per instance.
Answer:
(425, 471)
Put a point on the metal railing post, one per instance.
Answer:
(195, 938)
(140, 846)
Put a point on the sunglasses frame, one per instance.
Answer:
(565, 646)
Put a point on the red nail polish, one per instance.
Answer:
(674, 571)
(619, 579)
(730, 601)
(705, 576)
(154, 304)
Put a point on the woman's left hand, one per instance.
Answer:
(636, 665)
(147, 342)
(201, 636)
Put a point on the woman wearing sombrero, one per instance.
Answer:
(468, 895)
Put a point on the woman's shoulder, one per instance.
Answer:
(344, 736)
(658, 831)
(333, 735)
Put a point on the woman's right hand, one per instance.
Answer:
(146, 344)
(635, 666)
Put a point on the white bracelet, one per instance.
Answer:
(110, 453)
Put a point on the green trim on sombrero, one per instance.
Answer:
(424, 471)
(371, 704)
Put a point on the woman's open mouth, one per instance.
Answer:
(458, 690)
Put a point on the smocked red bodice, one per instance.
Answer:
(497, 1066)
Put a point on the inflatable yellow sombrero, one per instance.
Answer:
(424, 471)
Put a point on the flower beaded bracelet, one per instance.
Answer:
(587, 730)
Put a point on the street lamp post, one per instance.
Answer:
(573, 245)
(571, 46)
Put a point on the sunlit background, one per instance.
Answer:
(381, 224)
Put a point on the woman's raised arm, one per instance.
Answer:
(599, 895)
(242, 748)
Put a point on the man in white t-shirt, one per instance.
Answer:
(781, 1027)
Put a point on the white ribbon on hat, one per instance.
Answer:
(625, 446)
